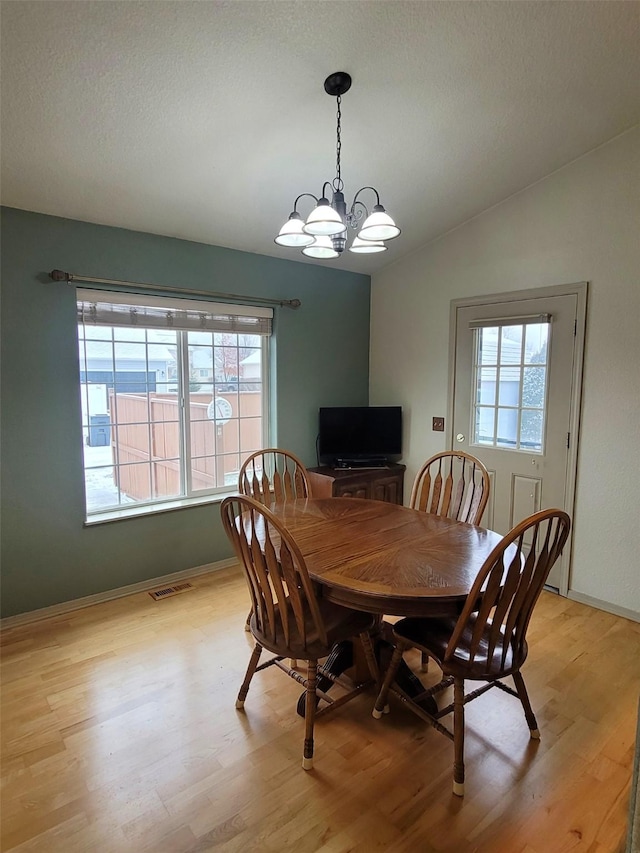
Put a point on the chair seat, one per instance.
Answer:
(340, 623)
(433, 635)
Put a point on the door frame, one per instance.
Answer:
(580, 290)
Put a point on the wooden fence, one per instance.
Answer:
(145, 440)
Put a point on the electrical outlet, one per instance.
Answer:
(438, 425)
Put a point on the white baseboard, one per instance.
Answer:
(110, 594)
(633, 615)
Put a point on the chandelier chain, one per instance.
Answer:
(337, 183)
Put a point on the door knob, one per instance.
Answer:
(459, 437)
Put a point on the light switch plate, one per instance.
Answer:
(438, 425)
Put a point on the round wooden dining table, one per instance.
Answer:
(384, 558)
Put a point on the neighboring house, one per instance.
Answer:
(201, 364)
(133, 371)
(202, 369)
(250, 368)
(133, 374)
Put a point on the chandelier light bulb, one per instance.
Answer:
(291, 233)
(378, 226)
(322, 248)
(367, 247)
(324, 221)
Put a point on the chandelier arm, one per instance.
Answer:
(302, 195)
(324, 188)
(361, 190)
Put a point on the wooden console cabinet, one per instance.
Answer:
(379, 484)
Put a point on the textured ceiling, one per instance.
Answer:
(204, 120)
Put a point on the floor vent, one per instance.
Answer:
(168, 591)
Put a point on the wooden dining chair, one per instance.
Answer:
(289, 618)
(273, 474)
(453, 484)
(488, 640)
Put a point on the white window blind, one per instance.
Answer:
(523, 320)
(105, 308)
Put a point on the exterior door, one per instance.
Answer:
(514, 400)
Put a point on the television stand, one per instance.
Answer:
(380, 484)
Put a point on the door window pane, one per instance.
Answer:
(537, 343)
(488, 346)
(511, 344)
(531, 426)
(533, 386)
(486, 387)
(509, 393)
(515, 419)
(485, 425)
(507, 428)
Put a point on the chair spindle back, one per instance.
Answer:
(281, 591)
(509, 587)
(452, 484)
(273, 474)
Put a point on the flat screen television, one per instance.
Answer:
(359, 434)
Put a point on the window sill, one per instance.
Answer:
(153, 509)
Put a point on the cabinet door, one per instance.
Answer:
(388, 489)
(358, 489)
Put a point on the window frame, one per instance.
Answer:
(188, 497)
(499, 323)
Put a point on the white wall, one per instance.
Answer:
(581, 223)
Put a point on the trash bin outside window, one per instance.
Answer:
(98, 430)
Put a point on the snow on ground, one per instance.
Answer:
(101, 489)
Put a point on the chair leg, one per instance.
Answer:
(309, 714)
(458, 737)
(424, 663)
(526, 705)
(381, 707)
(370, 657)
(253, 663)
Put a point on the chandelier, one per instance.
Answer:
(324, 232)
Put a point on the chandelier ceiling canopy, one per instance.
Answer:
(325, 231)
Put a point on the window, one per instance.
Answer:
(510, 387)
(174, 396)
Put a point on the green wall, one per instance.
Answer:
(320, 355)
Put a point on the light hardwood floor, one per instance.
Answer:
(119, 733)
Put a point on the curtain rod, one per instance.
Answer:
(71, 278)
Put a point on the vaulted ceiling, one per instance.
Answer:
(204, 120)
